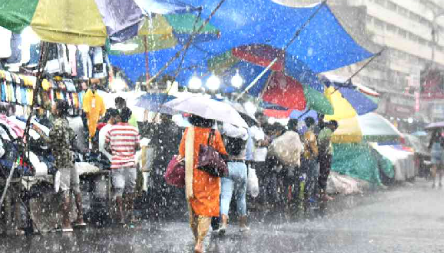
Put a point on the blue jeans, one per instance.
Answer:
(237, 178)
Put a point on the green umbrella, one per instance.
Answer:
(317, 101)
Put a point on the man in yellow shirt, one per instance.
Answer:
(310, 158)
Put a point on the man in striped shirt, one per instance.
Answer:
(122, 141)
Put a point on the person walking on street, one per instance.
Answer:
(325, 157)
(202, 190)
(235, 144)
(61, 140)
(261, 143)
(436, 146)
(122, 141)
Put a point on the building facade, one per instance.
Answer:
(412, 33)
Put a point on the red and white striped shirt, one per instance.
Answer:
(122, 139)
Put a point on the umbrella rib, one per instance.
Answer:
(348, 82)
(296, 34)
(188, 44)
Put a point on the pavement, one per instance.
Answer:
(407, 218)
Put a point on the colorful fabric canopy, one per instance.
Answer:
(89, 22)
(165, 31)
(370, 127)
(347, 100)
(322, 46)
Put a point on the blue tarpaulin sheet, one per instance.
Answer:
(323, 45)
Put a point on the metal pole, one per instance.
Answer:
(296, 34)
(348, 82)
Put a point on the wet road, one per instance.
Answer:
(405, 219)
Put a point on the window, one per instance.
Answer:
(391, 6)
(402, 33)
(391, 28)
(379, 24)
(380, 2)
(423, 41)
(403, 11)
(423, 21)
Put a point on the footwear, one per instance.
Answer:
(15, 232)
(198, 248)
(67, 230)
(433, 186)
(120, 215)
(130, 207)
(223, 226)
(66, 222)
(325, 197)
(243, 224)
(79, 222)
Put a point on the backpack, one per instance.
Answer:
(234, 146)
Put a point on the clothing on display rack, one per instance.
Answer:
(94, 107)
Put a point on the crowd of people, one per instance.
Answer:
(282, 157)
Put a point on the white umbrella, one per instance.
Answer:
(207, 108)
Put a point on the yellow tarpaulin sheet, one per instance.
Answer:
(349, 131)
(158, 25)
(70, 22)
(342, 108)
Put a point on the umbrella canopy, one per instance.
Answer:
(89, 22)
(420, 133)
(436, 125)
(165, 31)
(154, 102)
(274, 87)
(207, 108)
(262, 55)
(370, 127)
(322, 46)
(347, 102)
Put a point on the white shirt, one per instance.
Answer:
(260, 153)
(102, 137)
(236, 132)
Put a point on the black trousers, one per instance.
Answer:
(324, 171)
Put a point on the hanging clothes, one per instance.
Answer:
(81, 96)
(99, 68)
(29, 96)
(34, 55)
(5, 43)
(84, 62)
(16, 51)
(75, 98)
(53, 63)
(24, 100)
(63, 58)
(72, 50)
(4, 91)
(18, 94)
(94, 107)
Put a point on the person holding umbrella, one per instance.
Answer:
(202, 190)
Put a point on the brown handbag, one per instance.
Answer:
(210, 160)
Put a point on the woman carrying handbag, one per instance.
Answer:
(202, 189)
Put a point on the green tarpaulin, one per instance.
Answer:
(15, 15)
(360, 161)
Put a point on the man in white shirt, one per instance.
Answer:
(261, 142)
